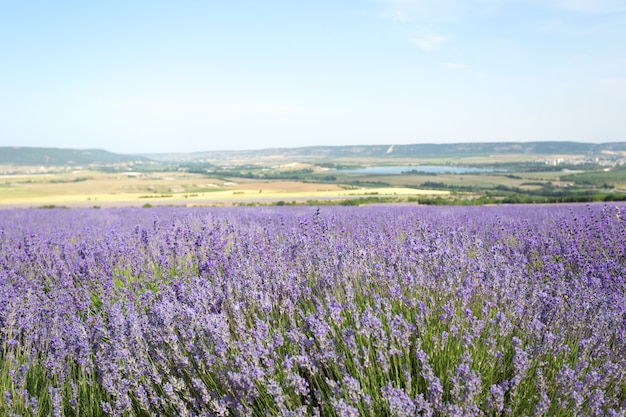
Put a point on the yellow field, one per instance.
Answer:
(89, 188)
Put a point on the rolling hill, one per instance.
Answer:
(74, 157)
(404, 151)
(62, 157)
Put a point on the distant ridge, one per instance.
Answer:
(61, 157)
(392, 151)
(34, 156)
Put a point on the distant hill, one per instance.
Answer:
(405, 151)
(74, 157)
(61, 157)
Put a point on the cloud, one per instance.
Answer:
(429, 42)
(592, 6)
(398, 10)
(406, 11)
(452, 16)
(419, 15)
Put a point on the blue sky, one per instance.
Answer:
(180, 76)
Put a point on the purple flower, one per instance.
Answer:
(399, 403)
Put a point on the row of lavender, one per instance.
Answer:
(394, 311)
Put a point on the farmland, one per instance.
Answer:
(459, 174)
(332, 311)
(101, 189)
(243, 186)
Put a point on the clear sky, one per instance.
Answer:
(137, 76)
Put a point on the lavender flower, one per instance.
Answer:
(299, 311)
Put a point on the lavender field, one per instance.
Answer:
(298, 311)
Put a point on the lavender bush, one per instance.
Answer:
(378, 311)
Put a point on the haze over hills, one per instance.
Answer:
(77, 157)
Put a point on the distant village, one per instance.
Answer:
(606, 160)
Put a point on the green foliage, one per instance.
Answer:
(51, 206)
(367, 200)
(599, 179)
(27, 385)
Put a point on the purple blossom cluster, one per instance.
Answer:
(301, 311)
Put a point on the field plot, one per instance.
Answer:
(298, 311)
(92, 188)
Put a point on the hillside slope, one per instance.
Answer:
(61, 157)
(405, 151)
